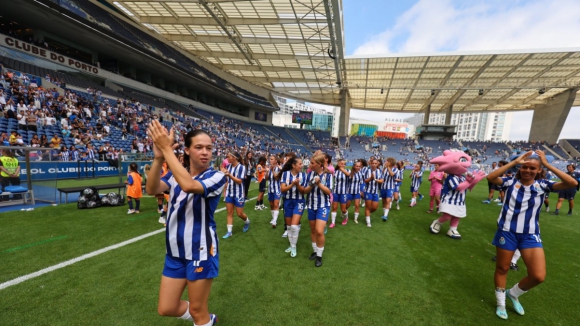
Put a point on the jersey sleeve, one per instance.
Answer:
(241, 172)
(130, 180)
(454, 181)
(329, 181)
(547, 185)
(283, 178)
(506, 182)
(166, 178)
(308, 178)
(213, 184)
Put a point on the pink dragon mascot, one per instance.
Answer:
(452, 206)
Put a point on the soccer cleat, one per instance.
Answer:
(435, 227)
(293, 252)
(430, 211)
(385, 218)
(288, 249)
(421, 197)
(453, 234)
(514, 267)
(494, 258)
(517, 305)
(257, 208)
(246, 227)
(345, 221)
(398, 208)
(318, 262)
(312, 256)
(547, 209)
(162, 220)
(213, 319)
(369, 225)
(229, 234)
(363, 204)
(497, 200)
(487, 201)
(555, 213)
(356, 221)
(325, 229)
(285, 234)
(569, 214)
(500, 204)
(501, 312)
(160, 211)
(136, 212)
(130, 211)
(331, 225)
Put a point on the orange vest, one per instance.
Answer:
(164, 169)
(261, 172)
(135, 190)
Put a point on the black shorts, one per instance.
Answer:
(567, 194)
(491, 186)
(262, 186)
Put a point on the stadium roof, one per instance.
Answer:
(296, 49)
(282, 45)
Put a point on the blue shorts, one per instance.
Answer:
(262, 186)
(352, 197)
(238, 202)
(318, 214)
(567, 194)
(273, 196)
(362, 187)
(190, 269)
(511, 241)
(371, 196)
(293, 207)
(340, 198)
(387, 193)
(414, 189)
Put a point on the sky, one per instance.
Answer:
(375, 27)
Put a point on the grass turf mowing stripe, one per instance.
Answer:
(34, 244)
(87, 256)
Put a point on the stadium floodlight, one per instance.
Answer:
(480, 92)
(542, 90)
(432, 92)
(382, 91)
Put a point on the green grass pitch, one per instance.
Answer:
(395, 273)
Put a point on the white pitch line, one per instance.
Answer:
(86, 256)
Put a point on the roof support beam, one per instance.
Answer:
(242, 40)
(192, 1)
(257, 56)
(206, 21)
(275, 68)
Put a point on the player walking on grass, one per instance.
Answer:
(373, 179)
(192, 256)
(261, 179)
(355, 183)
(318, 187)
(518, 224)
(341, 175)
(388, 186)
(134, 188)
(235, 172)
(292, 181)
(436, 178)
(274, 192)
(399, 181)
(568, 194)
(416, 177)
(363, 169)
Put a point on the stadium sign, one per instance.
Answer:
(66, 170)
(34, 50)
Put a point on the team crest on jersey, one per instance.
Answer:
(501, 241)
(518, 186)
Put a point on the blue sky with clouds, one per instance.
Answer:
(374, 27)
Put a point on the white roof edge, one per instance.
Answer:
(456, 53)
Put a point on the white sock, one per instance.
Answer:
(516, 257)
(187, 315)
(208, 323)
(275, 216)
(413, 200)
(293, 235)
(356, 216)
(500, 298)
(319, 251)
(345, 215)
(247, 221)
(387, 212)
(368, 219)
(453, 228)
(333, 215)
(515, 292)
(314, 246)
(230, 227)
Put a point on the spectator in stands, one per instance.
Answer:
(55, 141)
(64, 154)
(44, 141)
(22, 121)
(10, 172)
(4, 139)
(35, 142)
(32, 122)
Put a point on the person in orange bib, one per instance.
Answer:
(261, 179)
(134, 188)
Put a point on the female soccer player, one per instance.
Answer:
(373, 179)
(261, 178)
(189, 261)
(250, 170)
(518, 226)
(415, 176)
(319, 185)
(134, 189)
(436, 178)
(399, 181)
(388, 186)
(274, 189)
(354, 186)
(340, 194)
(363, 169)
(235, 192)
(292, 185)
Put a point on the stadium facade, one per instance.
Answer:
(321, 119)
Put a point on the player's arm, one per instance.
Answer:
(495, 177)
(232, 177)
(154, 184)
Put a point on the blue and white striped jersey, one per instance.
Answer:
(520, 212)
(90, 154)
(273, 184)
(236, 190)
(316, 198)
(400, 175)
(416, 178)
(390, 182)
(451, 196)
(191, 228)
(363, 171)
(354, 182)
(74, 155)
(64, 156)
(287, 178)
(373, 185)
(340, 182)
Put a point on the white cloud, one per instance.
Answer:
(456, 25)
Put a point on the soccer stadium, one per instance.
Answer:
(416, 143)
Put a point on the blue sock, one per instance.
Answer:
(130, 202)
(137, 202)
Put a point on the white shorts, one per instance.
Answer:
(453, 210)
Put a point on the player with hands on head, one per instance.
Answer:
(192, 255)
(518, 224)
(235, 197)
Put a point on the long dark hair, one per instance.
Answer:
(288, 166)
(188, 139)
(363, 162)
